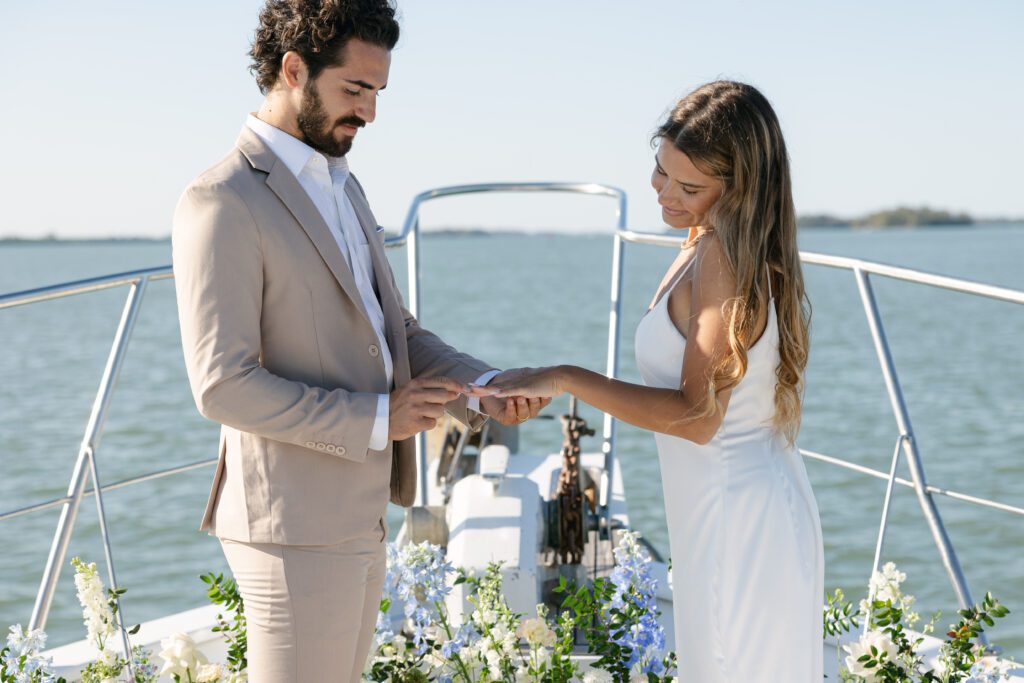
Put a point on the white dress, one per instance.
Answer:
(744, 533)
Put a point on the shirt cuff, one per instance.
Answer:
(473, 402)
(379, 435)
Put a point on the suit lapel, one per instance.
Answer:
(290, 192)
(394, 319)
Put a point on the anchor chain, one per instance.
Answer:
(570, 494)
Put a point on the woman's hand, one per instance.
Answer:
(526, 382)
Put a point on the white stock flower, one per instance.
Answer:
(597, 676)
(208, 673)
(96, 613)
(885, 584)
(180, 656)
(493, 659)
(523, 675)
(877, 639)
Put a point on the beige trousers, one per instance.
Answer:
(311, 610)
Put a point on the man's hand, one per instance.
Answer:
(418, 405)
(511, 410)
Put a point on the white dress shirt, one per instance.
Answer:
(323, 178)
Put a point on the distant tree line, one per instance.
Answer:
(901, 216)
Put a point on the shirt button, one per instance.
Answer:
(374, 351)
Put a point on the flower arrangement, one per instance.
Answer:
(887, 651)
(617, 618)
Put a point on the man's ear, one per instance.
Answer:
(293, 70)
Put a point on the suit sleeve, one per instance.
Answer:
(218, 273)
(430, 356)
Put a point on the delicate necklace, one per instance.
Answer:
(692, 241)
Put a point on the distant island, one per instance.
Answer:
(901, 216)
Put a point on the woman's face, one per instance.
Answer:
(685, 194)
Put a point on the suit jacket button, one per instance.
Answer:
(321, 446)
(311, 444)
(330, 448)
(374, 351)
(340, 450)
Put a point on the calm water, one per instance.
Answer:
(530, 300)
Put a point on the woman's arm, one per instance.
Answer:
(701, 320)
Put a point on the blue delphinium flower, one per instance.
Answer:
(466, 635)
(636, 595)
(417, 576)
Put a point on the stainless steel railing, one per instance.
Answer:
(86, 465)
(410, 229)
(905, 441)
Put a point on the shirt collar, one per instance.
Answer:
(294, 153)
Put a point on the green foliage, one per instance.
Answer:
(839, 616)
(224, 592)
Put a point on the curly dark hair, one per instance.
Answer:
(318, 31)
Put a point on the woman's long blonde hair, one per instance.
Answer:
(729, 131)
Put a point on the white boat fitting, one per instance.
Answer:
(544, 515)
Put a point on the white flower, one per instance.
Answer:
(597, 676)
(239, 677)
(493, 659)
(638, 677)
(96, 613)
(882, 644)
(536, 632)
(24, 642)
(180, 656)
(885, 584)
(208, 673)
(523, 675)
(434, 659)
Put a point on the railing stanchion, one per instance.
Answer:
(614, 334)
(109, 555)
(899, 408)
(884, 523)
(90, 442)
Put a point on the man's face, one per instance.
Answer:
(343, 99)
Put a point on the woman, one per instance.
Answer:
(722, 352)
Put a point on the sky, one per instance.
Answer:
(111, 108)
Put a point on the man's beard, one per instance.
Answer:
(318, 133)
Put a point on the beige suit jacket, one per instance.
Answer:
(280, 351)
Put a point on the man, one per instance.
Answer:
(296, 341)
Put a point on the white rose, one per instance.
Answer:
(880, 641)
(536, 632)
(597, 676)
